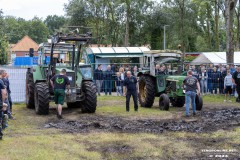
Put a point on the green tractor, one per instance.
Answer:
(167, 87)
(39, 92)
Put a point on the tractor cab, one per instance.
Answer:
(162, 77)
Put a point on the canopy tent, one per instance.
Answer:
(214, 58)
(116, 52)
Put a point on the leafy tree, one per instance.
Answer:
(38, 31)
(54, 22)
(3, 42)
(17, 28)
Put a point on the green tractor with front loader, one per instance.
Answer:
(63, 52)
(168, 87)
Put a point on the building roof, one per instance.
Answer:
(24, 45)
(111, 52)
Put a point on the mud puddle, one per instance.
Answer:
(205, 121)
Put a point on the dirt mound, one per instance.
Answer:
(205, 121)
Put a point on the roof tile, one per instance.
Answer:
(25, 44)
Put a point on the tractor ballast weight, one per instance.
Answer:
(168, 88)
(39, 92)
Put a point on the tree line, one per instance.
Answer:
(190, 25)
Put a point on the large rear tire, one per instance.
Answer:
(146, 91)
(199, 103)
(41, 96)
(164, 102)
(90, 103)
(30, 91)
(178, 102)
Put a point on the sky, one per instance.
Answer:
(27, 9)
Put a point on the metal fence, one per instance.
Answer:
(17, 78)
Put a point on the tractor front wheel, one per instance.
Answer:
(90, 103)
(146, 91)
(41, 98)
(29, 91)
(164, 102)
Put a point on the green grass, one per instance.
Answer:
(27, 139)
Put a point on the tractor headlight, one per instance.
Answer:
(73, 91)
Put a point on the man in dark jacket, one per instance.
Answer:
(130, 89)
(236, 82)
(215, 80)
(108, 80)
(98, 77)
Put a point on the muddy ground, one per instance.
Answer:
(212, 118)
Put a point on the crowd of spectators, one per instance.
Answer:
(214, 79)
(112, 78)
(211, 77)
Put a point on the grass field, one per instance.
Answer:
(26, 137)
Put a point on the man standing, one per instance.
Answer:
(98, 77)
(130, 89)
(191, 86)
(236, 82)
(59, 84)
(108, 80)
(209, 83)
(8, 101)
(2, 99)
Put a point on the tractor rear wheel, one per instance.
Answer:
(90, 103)
(178, 102)
(164, 102)
(30, 91)
(199, 103)
(41, 96)
(146, 91)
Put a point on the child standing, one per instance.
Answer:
(118, 82)
(228, 85)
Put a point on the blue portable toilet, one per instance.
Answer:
(23, 61)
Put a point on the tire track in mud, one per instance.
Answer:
(206, 121)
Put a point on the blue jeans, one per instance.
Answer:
(99, 86)
(203, 86)
(119, 90)
(108, 87)
(190, 95)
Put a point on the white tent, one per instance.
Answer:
(215, 58)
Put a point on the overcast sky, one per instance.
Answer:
(27, 9)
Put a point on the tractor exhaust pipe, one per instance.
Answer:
(73, 57)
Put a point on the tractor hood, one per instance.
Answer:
(175, 78)
(58, 70)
